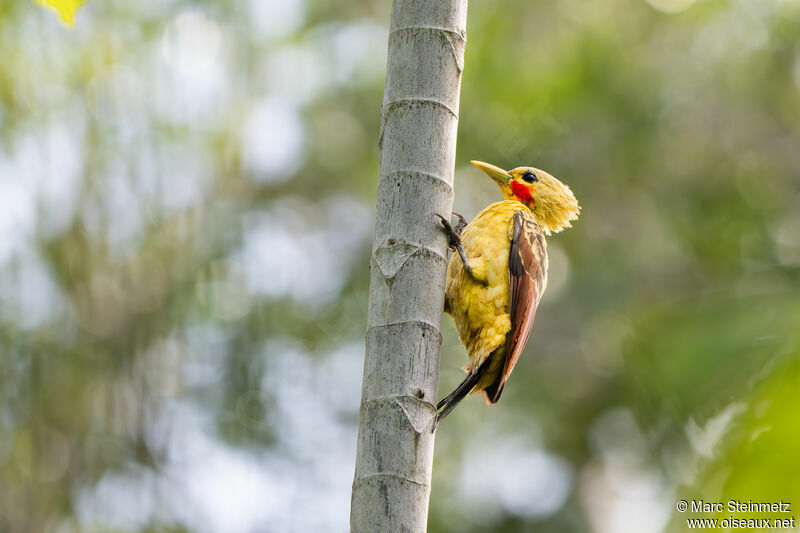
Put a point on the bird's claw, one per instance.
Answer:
(453, 233)
(445, 223)
(462, 223)
(454, 239)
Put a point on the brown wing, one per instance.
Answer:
(527, 274)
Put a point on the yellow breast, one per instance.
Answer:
(480, 307)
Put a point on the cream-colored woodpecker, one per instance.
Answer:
(498, 275)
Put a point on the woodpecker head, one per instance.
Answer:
(551, 202)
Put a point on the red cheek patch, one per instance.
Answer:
(521, 192)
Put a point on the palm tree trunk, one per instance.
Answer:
(419, 119)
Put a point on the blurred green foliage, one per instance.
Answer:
(186, 192)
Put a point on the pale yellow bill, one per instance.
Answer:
(496, 173)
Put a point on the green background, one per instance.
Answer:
(186, 207)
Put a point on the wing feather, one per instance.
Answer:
(527, 275)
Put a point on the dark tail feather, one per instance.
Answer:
(454, 398)
(492, 392)
(462, 390)
(450, 401)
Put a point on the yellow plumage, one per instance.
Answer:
(479, 304)
(495, 281)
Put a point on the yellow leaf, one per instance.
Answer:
(66, 8)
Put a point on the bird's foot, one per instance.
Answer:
(462, 223)
(453, 233)
(454, 238)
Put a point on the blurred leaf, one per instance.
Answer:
(757, 460)
(66, 8)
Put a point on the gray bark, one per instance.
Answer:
(419, 119)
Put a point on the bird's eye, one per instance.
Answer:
(530, 177)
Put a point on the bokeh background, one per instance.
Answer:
(186, 208)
